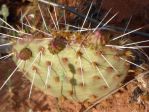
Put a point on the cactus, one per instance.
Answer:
(78, 66)
(4, 11)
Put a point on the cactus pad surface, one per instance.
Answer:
(74, 65)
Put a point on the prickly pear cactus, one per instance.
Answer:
(78, 66)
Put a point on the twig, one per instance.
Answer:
(107, 27)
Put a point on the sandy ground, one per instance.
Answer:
(14, 97)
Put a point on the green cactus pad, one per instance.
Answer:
(74, 65)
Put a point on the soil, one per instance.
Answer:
(126, 8)
(14, 96)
